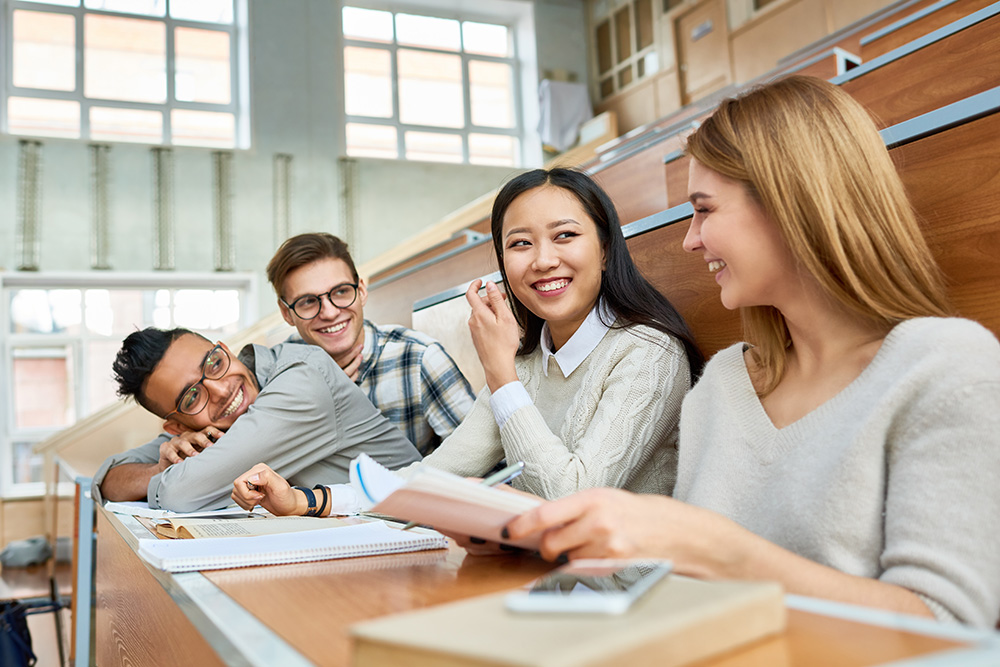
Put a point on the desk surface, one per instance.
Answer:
(267, 615)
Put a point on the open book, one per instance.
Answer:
(240, 526)
(440, 499)
(218, 553)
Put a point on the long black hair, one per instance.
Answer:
(630, 297)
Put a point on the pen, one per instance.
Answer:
(496, 479)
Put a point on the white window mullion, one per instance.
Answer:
(467, 102)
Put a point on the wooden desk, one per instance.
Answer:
(299, 614)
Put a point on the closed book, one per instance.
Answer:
(680, 621)
(218, 553)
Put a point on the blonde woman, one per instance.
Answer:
(850, 449)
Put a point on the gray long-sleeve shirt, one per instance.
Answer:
(308, 422)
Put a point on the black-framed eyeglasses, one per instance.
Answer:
(195, 397)
(308, 306)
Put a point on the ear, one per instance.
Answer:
(174, 427)
(286, 313)
(362, 291)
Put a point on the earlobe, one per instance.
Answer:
(285, 313)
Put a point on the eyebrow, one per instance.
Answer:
(188, 386)
(698, 195)
(551, 225)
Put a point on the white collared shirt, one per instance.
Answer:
(511, 397)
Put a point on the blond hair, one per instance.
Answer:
(811, 156)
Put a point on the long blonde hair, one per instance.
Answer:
(812, 158)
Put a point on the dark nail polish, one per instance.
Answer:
(505, 534)
(563, 558)
(477, 540)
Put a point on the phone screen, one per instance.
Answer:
(590, 586)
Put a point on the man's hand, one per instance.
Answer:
(350, 362)
(262, 486)
(186, 445)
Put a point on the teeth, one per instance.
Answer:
(716, 265)
(235, 404)
(334, 329)
(554, 285)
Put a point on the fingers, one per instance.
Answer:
(472, 296)
(495, 296)
(354, 365)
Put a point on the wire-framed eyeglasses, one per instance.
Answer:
(308, 306)
(195, 397)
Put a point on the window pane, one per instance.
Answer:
(145, 7)
(211, 11)
(50, 118)
(430, 89)
(367, 24)
(644, 24)
(46, 311)
(61, 3)
(201, 59)
(126, 125)
(124, 59)
(43, 387)
(493, 149)
(207, 310)
(623, 34)
(486, 38)
(367, 82)
(28, 466)
(202, 128)
(433, 147)
(427, 31)
(371, 140)
(44, 53)
(491, 91)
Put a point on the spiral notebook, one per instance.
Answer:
(220, 553)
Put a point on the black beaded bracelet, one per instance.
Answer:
(326, 499)
(310, 499)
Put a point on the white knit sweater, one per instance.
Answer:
(897, 477)
(612, 422)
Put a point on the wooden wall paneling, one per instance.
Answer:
(929, 22)
(392, 302)
(953, 179)
(949, 70)
(635, 106)
(430, 253)
(24, 518)
(676, 177)
(842, 13)
(760, 44)
(636, 184)
(131, 603)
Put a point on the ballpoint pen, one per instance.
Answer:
(500, 477)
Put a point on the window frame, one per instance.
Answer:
(514, 61)
(244, 282)
(238, 104)
(636, 57)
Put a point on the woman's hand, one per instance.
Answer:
(262, 486)
(494, 333)
(611, 523)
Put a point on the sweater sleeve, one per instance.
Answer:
(638, 392)
(942, 511)
(474, 446)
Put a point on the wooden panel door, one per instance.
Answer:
(703, 49)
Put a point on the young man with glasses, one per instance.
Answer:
(289, 406)
(405, 374)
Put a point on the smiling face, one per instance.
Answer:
(336, 330)
(181, 366)
(553, 258)
(743, 248)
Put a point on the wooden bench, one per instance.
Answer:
(915, 25)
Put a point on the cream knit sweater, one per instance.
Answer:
(896, 478)
(612, 422)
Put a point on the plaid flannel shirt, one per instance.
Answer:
(415, 383)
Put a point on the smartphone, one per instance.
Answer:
(589, 586)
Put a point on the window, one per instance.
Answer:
(430, 88)
(624, 44)
(61, 335)
(148, 71)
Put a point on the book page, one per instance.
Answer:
(243, 526)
